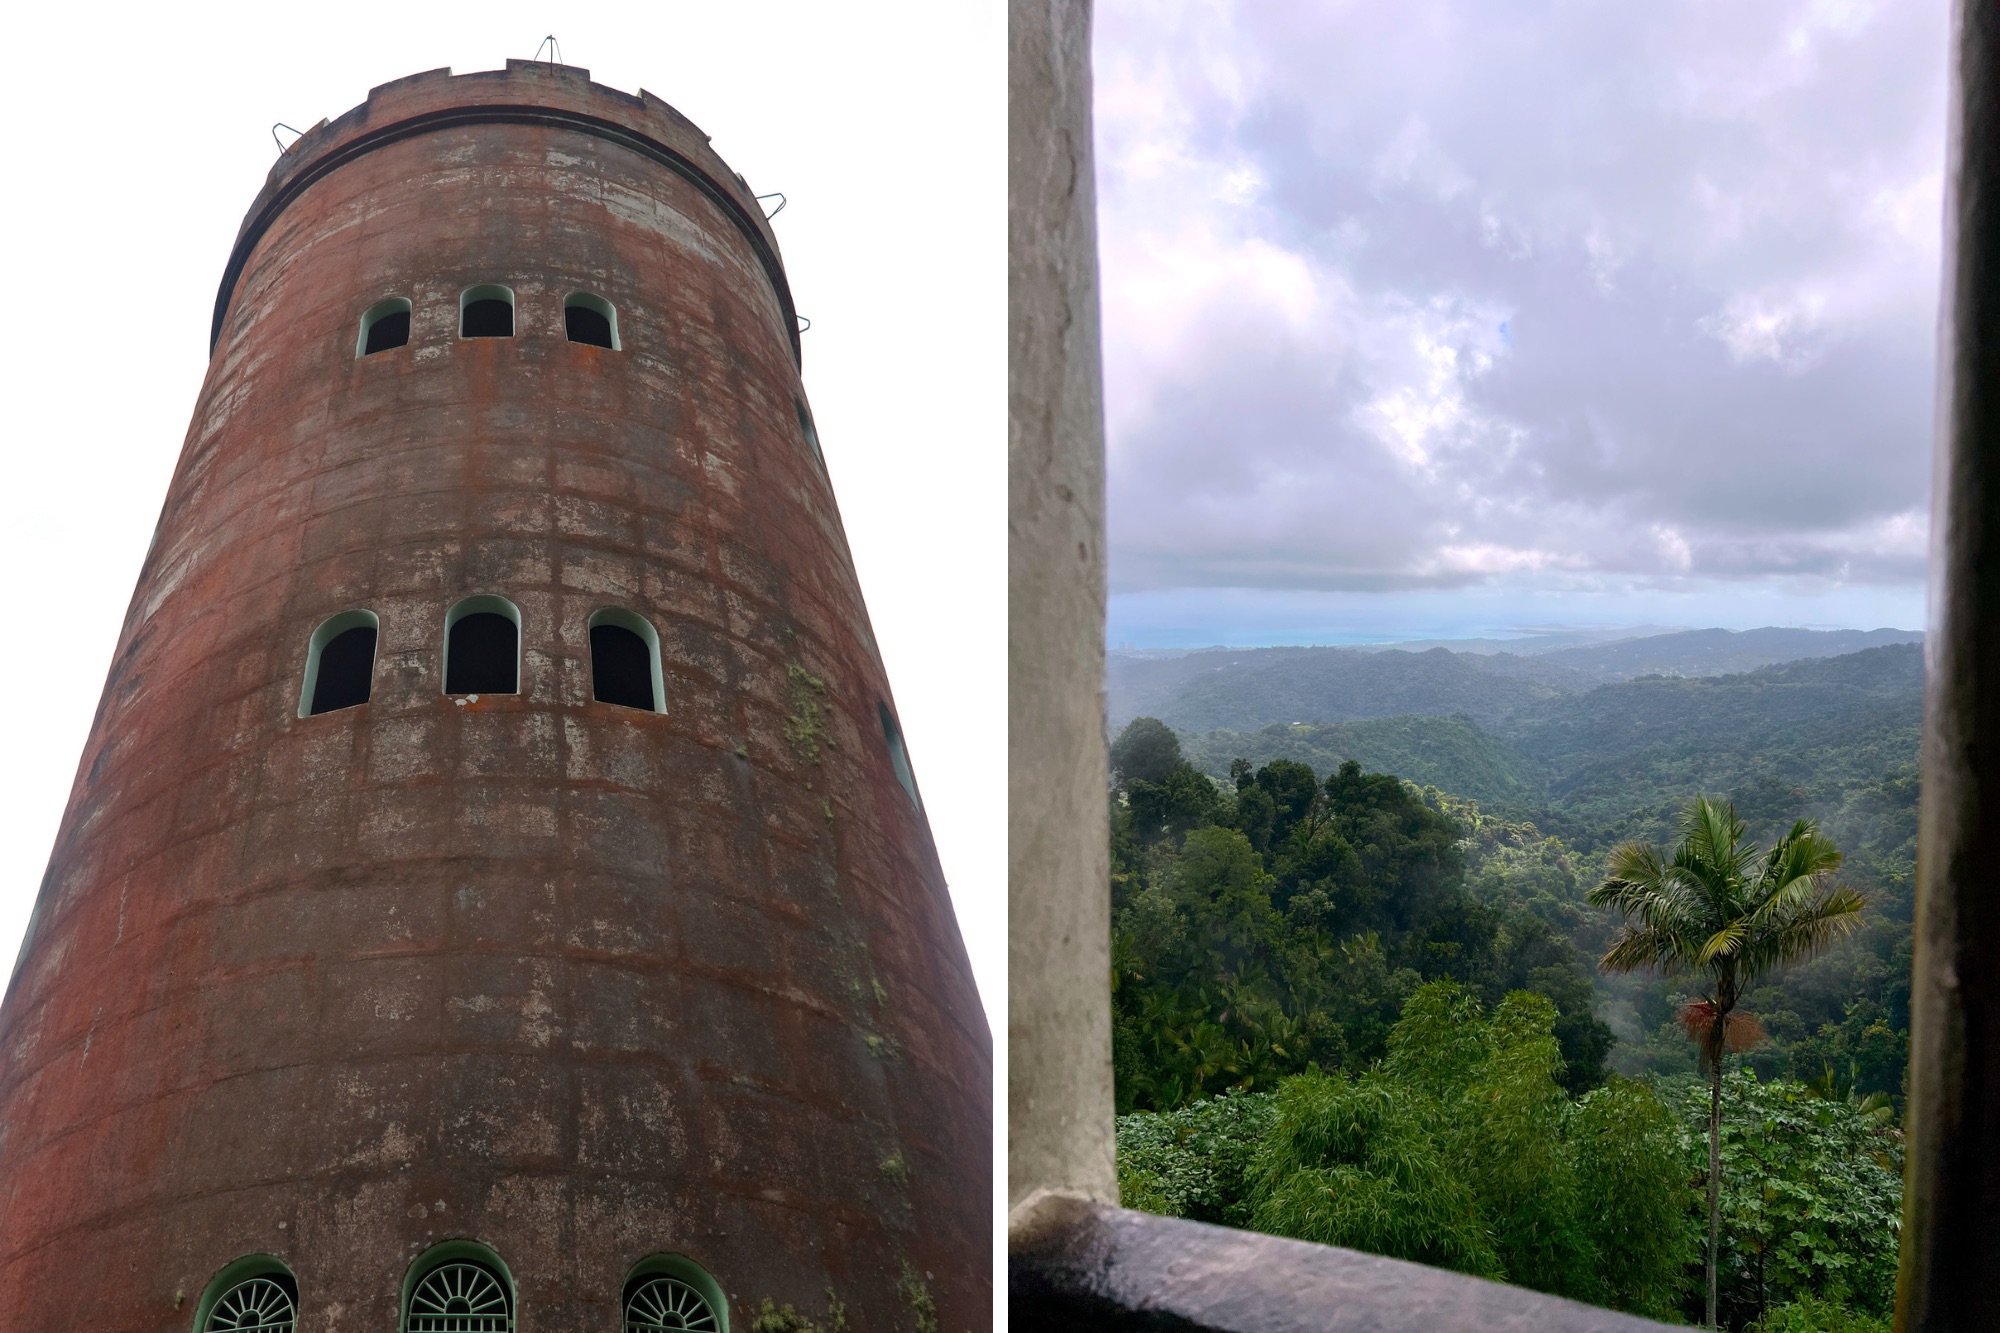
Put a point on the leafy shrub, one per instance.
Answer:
(1355, 1163)
(1812, 1194)
(1460, 1149)
(1194, 1162)
(1634, 1204)
(1811, 1315)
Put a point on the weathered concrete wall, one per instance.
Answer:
(1951, 1185)
(1059, 1107)
(581, 982)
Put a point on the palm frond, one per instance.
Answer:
(1723, 943)
(1781, 901)
(1632, 868)
(1634, 948)
(1713, 833)
(1803, 931)
(1803, 853)
(1644, 888)
(1713, 856)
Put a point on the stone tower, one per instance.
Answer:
(494, 894)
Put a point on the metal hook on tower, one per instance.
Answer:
(777, 195)
(284, 147)
(554, 46)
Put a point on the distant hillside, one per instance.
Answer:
(1785, 741)
(1709, 652)
(1595, 766)
(1246, 690)
(1249, 689)
(1447, 752)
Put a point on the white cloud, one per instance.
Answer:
(1401, 298)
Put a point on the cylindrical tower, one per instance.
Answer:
(494, 888)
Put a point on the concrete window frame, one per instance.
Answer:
(251, 1272)
(899, 754)
(330, 629)
(581, 300)
(674, 1268)
(444, 1254)
(621, 618)
(375, 314)
(474, 605)
(488, 291)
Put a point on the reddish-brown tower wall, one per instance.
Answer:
(580, 982)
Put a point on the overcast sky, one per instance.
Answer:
(1463, 316)
(143, 133)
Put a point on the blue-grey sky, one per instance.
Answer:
(1456, 316)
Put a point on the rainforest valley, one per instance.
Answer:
(1355, 984)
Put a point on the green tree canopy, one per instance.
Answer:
(1717, 908)
(1146, 751)
(1280, 931)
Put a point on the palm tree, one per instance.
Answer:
(1716, 908)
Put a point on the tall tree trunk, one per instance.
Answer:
(1714, 1163)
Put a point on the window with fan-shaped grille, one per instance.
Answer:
(460, 1297)
(265, 1303)
(656, 1303)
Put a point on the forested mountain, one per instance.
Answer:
(1254, 688)
(1833, 739)
(1785, 742)
(1603, 765)
(1450, 753)
(1715, 652)
(1247, 689)
(1281, 903)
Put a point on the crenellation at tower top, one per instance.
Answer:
(526, 92)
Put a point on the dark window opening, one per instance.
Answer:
(346, 667)
(384, 325)
(488, 317)
(392, 330)
(812, 436)
(482, 655)
(585, 325)
(621, 668)
(899, 755)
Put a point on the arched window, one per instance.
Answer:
(254, 1292)
(384, 325)
(486, 312)
(625, 661)
(671, 1291)
(806, 428)
(482, 647)
(459, 1286)
(340, 663)
(899, 754)
(590, 319)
